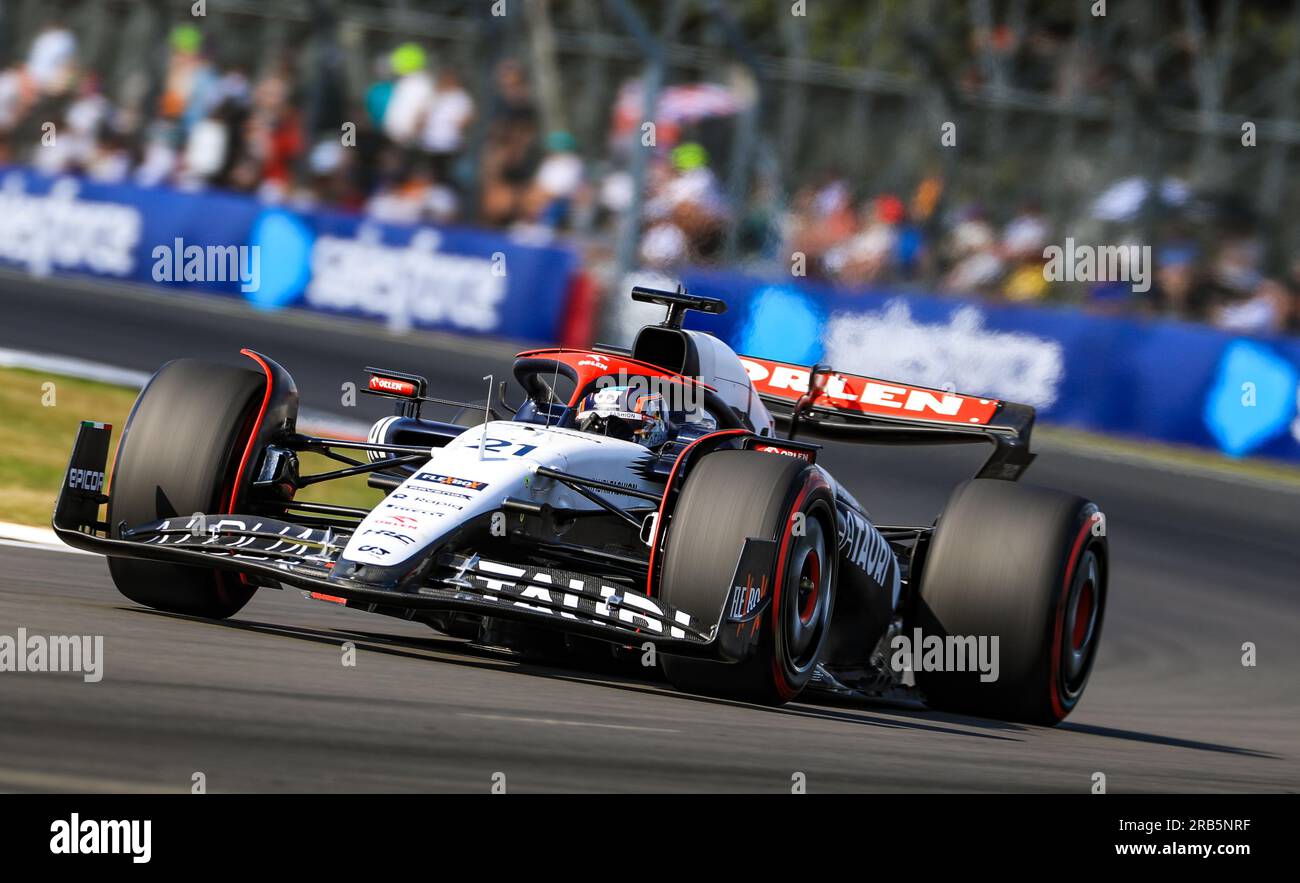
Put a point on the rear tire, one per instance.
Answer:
(178, 455)
(729, 497)
(1028, 565)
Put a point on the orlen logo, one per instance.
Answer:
(388, 384)
(85, 480)
(852, 393)
(399, 521)
(788, 452)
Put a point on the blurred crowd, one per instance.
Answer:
(400, 155)
(1210, 270)
(418, 146)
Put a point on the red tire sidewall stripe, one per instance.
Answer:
(663, 503)
(1058, 706)
(248, 449)
(783, 687)
(257, 428)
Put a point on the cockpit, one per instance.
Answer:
(616, 395)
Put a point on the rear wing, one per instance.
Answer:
(835, 406)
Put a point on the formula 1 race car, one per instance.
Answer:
(640, 497)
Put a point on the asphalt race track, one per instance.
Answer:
(263, 702)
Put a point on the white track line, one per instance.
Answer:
(70, 367)
(25, 533)
(41, 547)
(24, 536)
(509, 718)
(30, 780)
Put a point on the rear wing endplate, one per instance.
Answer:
(836, 406)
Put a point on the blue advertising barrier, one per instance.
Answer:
(408, 276)
(1165, 380)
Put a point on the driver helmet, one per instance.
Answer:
(626, 413)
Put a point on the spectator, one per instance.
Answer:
(1292, 283)
(870, 256)
(418, 197)
(822, 217)
(410, 97)
(109, 162)
(160, 158)
(380, 92)
(1263, 311)
(448, 114)
(976, 265)
(556, 185)
(274, 134)
(1023, 241)
(510, 162)
(207, 150)
(212, 126)
(191, 84)
(51, 61)
(58, 155)
(233, 86)
(512, 99)
(686, 208)
(13, 104)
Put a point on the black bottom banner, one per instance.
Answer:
(332, 831)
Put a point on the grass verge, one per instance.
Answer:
(39, 416)
(1183, 458)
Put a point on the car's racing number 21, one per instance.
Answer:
(498, 445)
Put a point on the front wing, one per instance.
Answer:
(304, 557)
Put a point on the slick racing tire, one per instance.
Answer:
(179, 454)
(729, 497)
(1025, 564)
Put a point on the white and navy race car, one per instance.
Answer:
(664, 499)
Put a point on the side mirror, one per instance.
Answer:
(817, 379)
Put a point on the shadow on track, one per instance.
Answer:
(458, 651)
(1194, 744)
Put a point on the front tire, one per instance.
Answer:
(1028, 565)
(729, 497)
(179, 454)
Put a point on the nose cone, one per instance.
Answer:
(451, 496)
